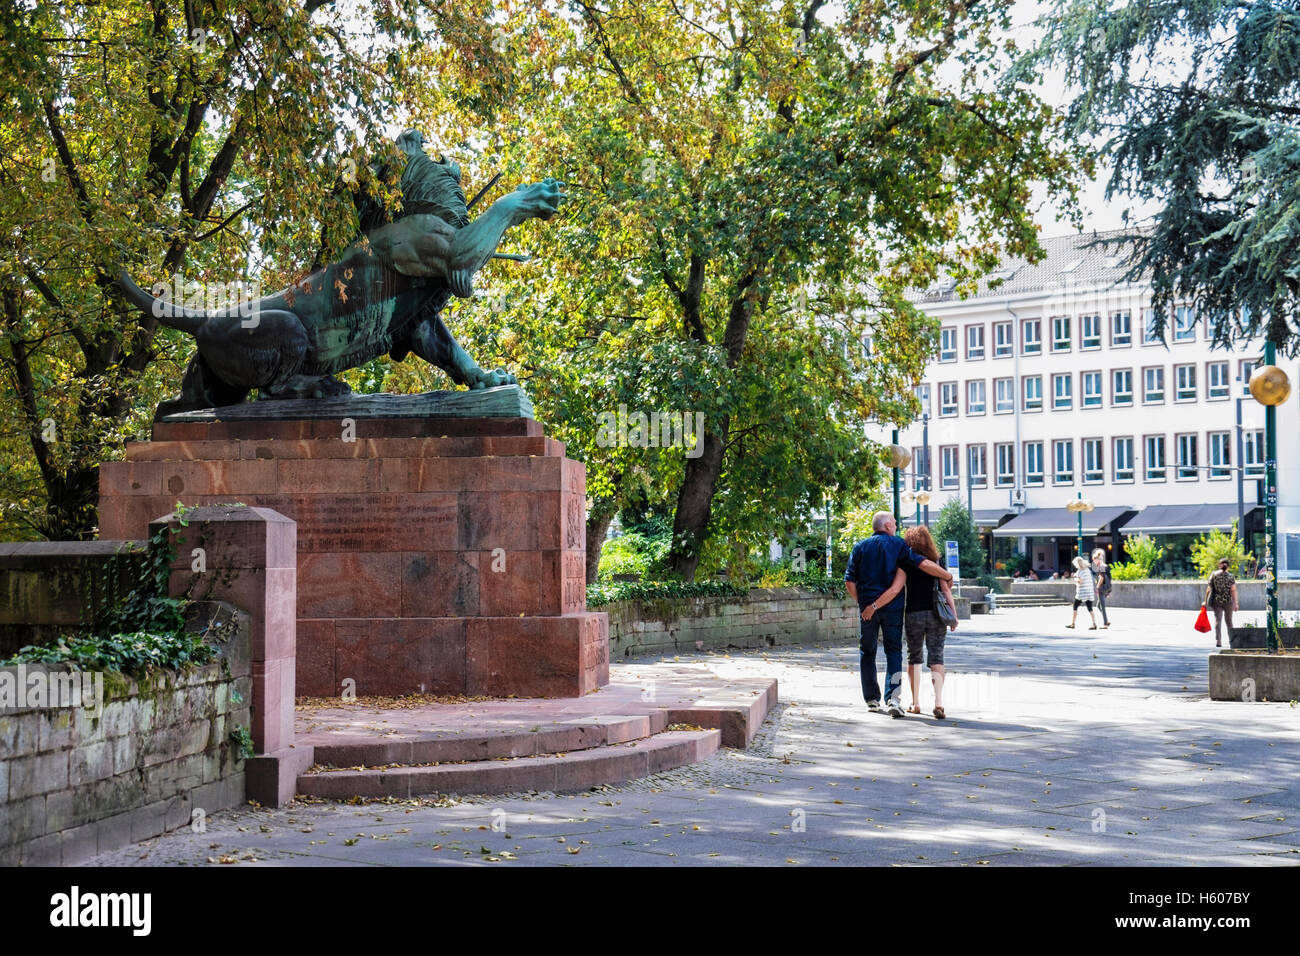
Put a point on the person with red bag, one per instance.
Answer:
(1221, 598)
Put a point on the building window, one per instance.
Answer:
(1061, 333)
(1031, 335)
(1184, 324)
(1090, 331)
(1153, 385)
(947, 399)
(1247, 366)
(1004, 395)
(1155, 458)
(947, 345)
(1062, 391)
(1121, 330)
(977, 465)
(1220, 455)
(923, 396)
(1253, 452)
(1033, 393)
(1006, 461)
(1184, 383)
(1033, 463)
(1123, 459)
(1149, 334)
(974, 342)
(1187, 460)
(948, 457)
(1121, 383)
(1063, 462)
(1004, 340)
(1217, 384)
(920, 468)
(1091, 389)
(1093, 472)
(975, 397)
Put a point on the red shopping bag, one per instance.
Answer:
(1202, 621)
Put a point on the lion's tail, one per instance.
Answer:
(168, 313)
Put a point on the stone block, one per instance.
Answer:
(79, 844)
(37, 774)
(314, 660)
(114, 832)
(353, 584)
(91, 762)
(412, 655)
(43, 851)
(443, 583)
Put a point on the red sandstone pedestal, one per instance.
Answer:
(443, 556)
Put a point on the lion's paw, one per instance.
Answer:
(541, 200)
(481, 379)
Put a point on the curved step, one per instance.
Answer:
(580, 770)
(342, 750)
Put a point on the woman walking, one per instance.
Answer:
(1221, 598)
(1101, 580)
(921, 624)
(1085, 591)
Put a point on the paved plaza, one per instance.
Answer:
(1062, 747)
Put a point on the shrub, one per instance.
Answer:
(955, 524)
(1210, 548)
(1143, 553)
(1127, 572)
(601, 594)
(633, 553)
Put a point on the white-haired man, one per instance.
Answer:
(875, 579)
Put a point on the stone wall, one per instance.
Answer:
(49, 588)
(144, 757)
(763, 618)
(1169, 595)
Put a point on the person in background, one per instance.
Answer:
(1085, 591)
(1221, 598)
(1101, 578)
(922, 626)
(875, 578)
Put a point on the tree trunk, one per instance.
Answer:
(598, 523)
(695, 503)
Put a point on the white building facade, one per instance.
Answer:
(1054, 384)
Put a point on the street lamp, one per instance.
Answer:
(1079, 506)
(922, 499)
(899, 458)
(1270, 387)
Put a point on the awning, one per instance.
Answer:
(1184, 519)
(1048, 522)
(990, 517)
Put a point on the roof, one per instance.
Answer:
(1045, 522)
(1079, 260)
(1182, 519)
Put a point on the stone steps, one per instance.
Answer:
(1030, 600)
(445, 747)
(560, 771)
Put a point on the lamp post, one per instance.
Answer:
(925, 446)
(1270, 387)
(1079, 506)
(899, 458)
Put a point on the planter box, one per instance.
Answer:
(1250, 676)
(1245, 638)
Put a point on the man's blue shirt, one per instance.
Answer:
(872, 566)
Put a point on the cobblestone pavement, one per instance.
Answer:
(1061, 748)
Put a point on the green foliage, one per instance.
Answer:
(243, 741)
(1129, 572)
(1210, 548)
(1195, 103)
(819, 582)
(955, 524)
(145, 631)
(633, 553)
(747, 212)
(1143, 553)
(598, 595)
(133, 654)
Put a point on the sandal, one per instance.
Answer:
(914, 709)
(1093, 628)
(939, 713)
(1069, 625)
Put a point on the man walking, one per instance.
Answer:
(875, 580)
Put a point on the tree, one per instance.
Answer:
(213, 141)
(754, 187)
(955, 524)
(1209, 549)
(1196, 103)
